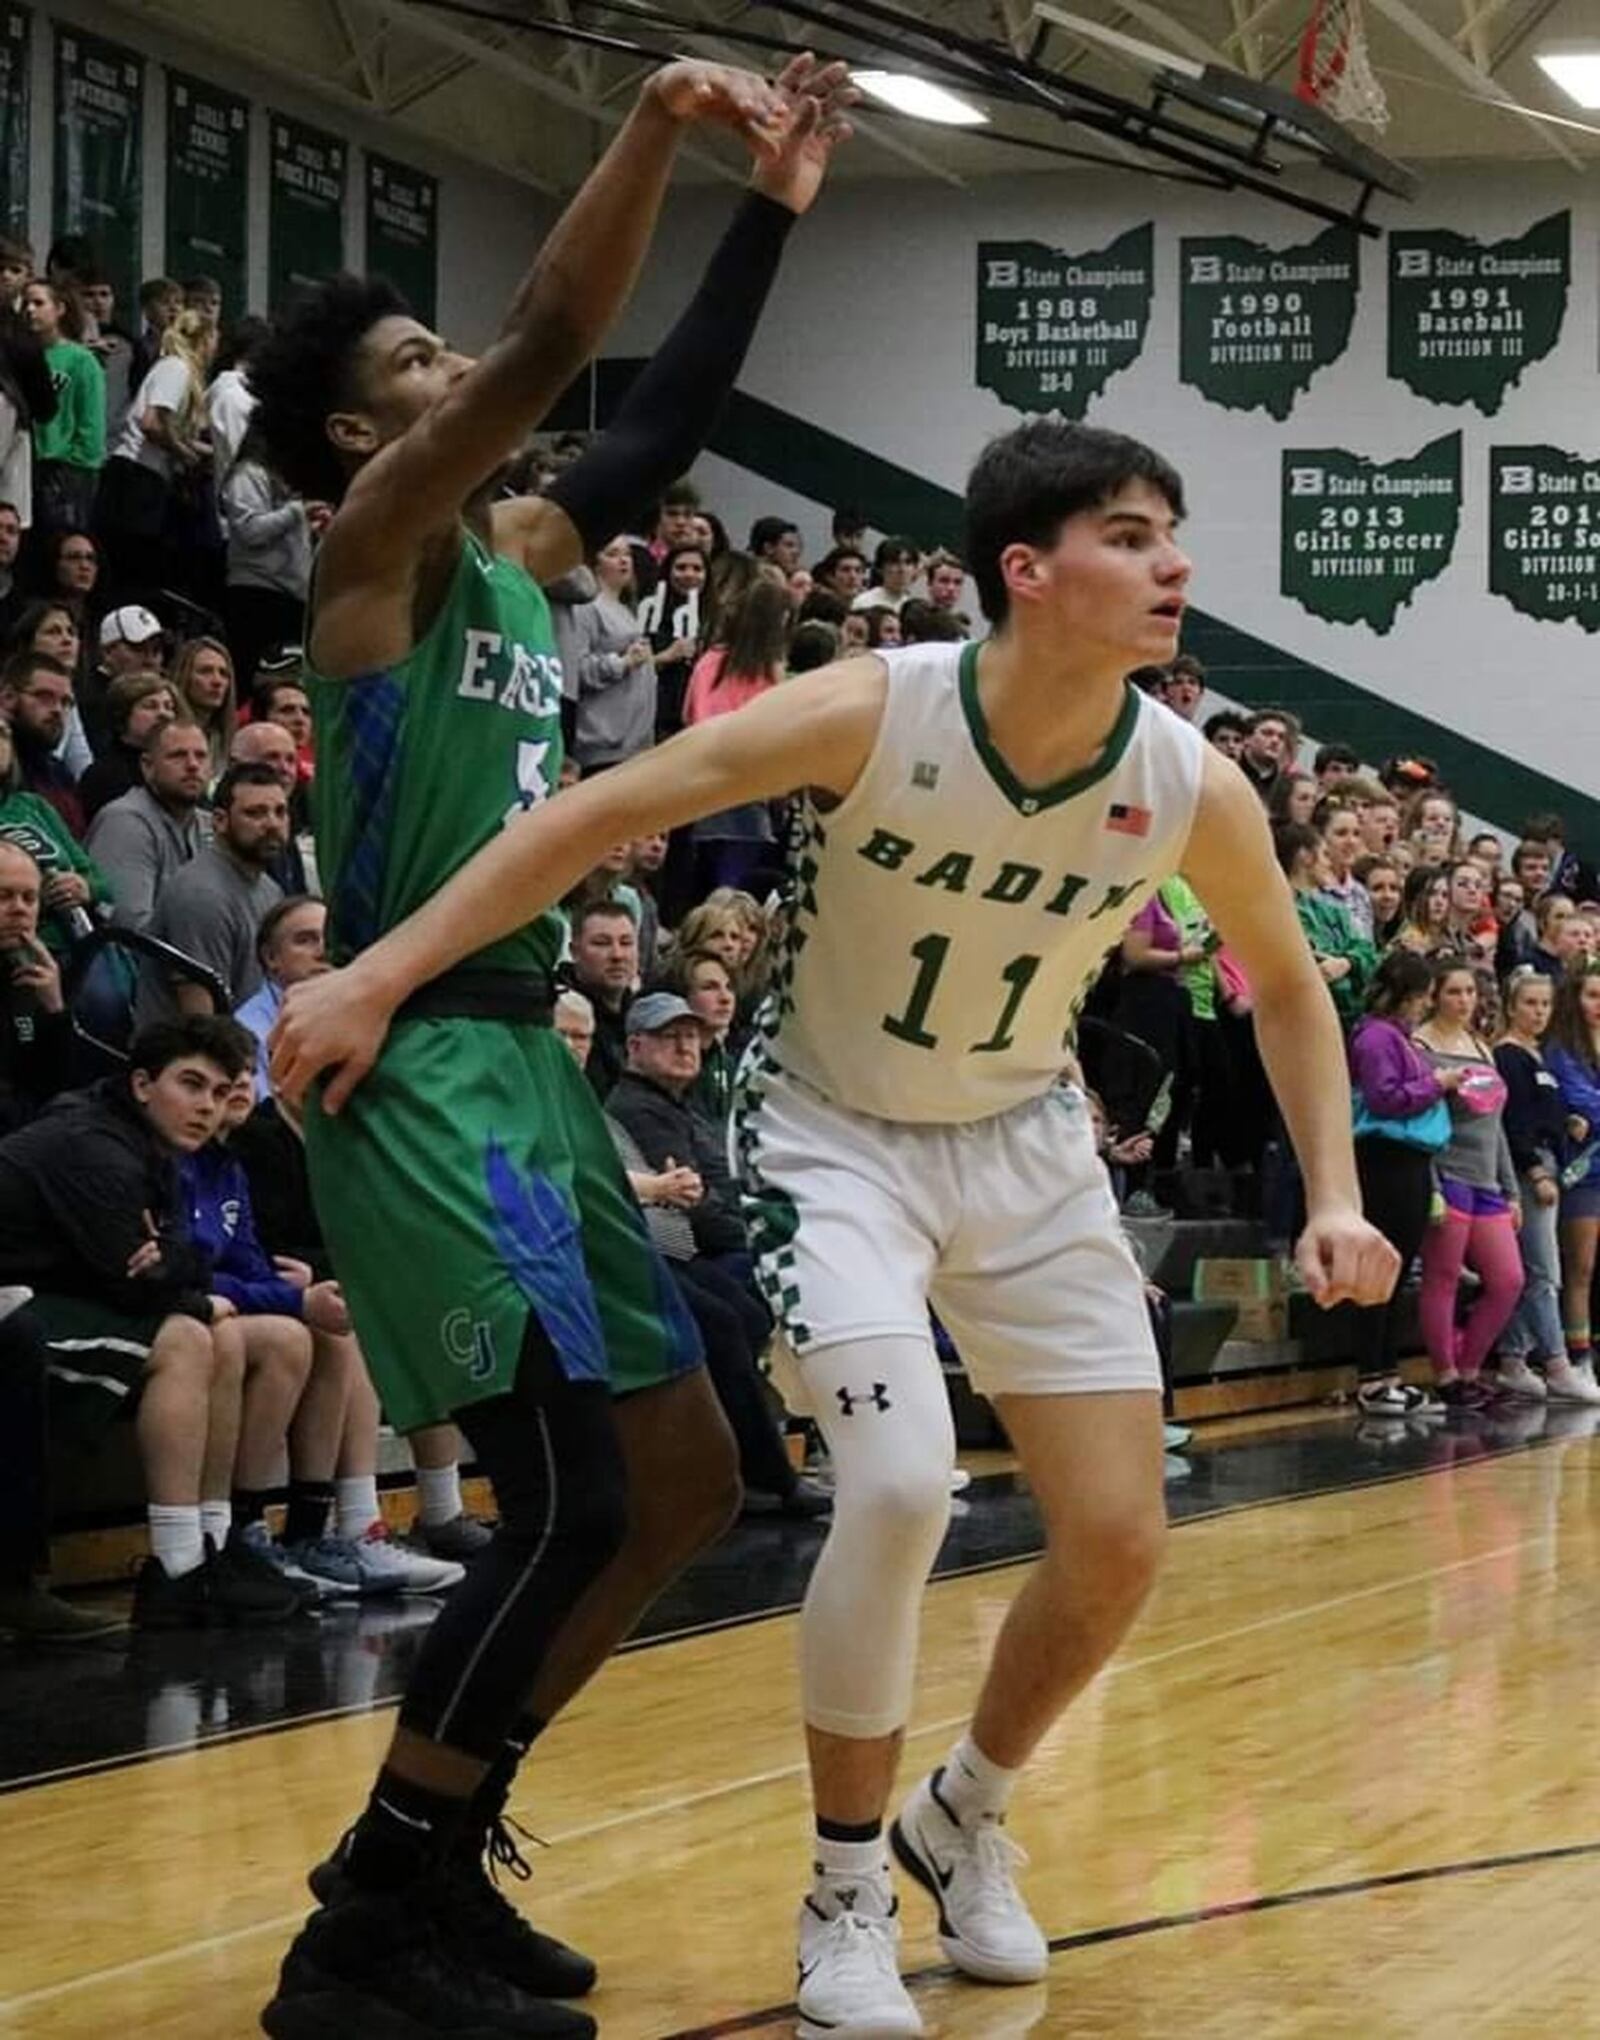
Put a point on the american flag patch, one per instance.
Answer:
(1123, 820)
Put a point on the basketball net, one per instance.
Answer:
(1336, 66)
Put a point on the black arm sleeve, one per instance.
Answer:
(667, 416)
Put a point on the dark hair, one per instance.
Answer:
(755, 632)
(1148, 679)
(1524, 851)
(892, 549)
(155, 288)
(1484, 836)
(768, 530)
(1027, 483)
(193, 285)
(1290, 839)
(1545, 828)
(812, 645)
(262, 699)
(1290, 721)
(1281, 792)
(1187, 667)
(1414, 893)
(72, 252)
(875, 620)
(305, 369)
(63, 535)
(210, 1035)
(682, 495)
(21, 666)
(603, 908)
(822, 606)
(921, 624)
(1410, 773)
(30, 617)
(1335, 754)
(1224, 719)
(14, 251)
(1568, 1028)
(241, 775)
(826, 567)
(68, 302)
(1449, 963)
(1401, 975)
(1544, 906)
(242, 341)
(275, 916)
(675, 553)
(847, 518)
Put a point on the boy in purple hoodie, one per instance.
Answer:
(333, 1440)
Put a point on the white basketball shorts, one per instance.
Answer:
(1006, 1226)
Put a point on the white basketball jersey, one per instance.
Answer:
(949, 921)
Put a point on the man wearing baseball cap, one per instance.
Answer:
(651, 1099)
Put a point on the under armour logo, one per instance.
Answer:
(879, 1399)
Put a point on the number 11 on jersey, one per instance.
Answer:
(931, 955)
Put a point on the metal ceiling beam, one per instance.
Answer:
(1249, 43)
(361, 51)
(186, 23)
(1445, 54)
(1173, 32)
(1475, 27)
(417, 21)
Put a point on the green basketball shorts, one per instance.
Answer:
(469, 1183)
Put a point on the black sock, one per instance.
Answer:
(249, 1506)
(402, 1832)
(309, 1503)
(849, 1831)
(494, 1789)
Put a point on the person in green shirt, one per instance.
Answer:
(1345, 958)
(73, 884)
(69, 449)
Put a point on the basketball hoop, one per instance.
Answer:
(1336, 66)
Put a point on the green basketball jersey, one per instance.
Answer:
(421, 763)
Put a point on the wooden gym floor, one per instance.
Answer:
(1344, 1780)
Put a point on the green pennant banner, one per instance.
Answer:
(403, 231)
(15, 100)
(305, 207)
(1054, 328)
(208, 186)
(1360, 537)
(1256, 323)
(1467, 318)
(99, 125)
(1544, 533)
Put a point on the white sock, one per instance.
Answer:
(852, 1876)
(356, 1505)
(176, 1538)
(439, 1493)
(216, 1520)
(973, 1786)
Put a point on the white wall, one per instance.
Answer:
(871, 335)
(489, 226)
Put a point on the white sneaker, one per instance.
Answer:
(1570, 1381)
(1518, 1378)
(969, 1872)
(849, 1978)
(389, 1568)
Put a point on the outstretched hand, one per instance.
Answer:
(716, 95)
(1344, 1259)
(818, 96)
(334, 1025)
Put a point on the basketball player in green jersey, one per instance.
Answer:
(983, 821)
(492, 1255)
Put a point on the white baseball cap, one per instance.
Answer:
(130, 626)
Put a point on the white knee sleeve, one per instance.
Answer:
(883, 1409)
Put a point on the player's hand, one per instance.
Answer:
(333, 1026)
(714, 95)
(300, 1273)
(819, 97)
(222, 1308)
(1344, 1259)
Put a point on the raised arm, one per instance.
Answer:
(579, 282)
(1230, 864)
(814, 732)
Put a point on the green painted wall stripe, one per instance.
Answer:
(812, 462)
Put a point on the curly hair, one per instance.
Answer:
(302, 371)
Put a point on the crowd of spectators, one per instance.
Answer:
(159, 895)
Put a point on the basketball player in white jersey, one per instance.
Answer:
(981, 823)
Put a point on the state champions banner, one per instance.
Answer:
(98, 137)
(208, 186)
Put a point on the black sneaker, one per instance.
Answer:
(246, 1592)
(259, 1560)
(381, 1968)
(162, 1602)
(478, 1920)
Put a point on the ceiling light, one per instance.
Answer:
(1577, 72)
(919, 98)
